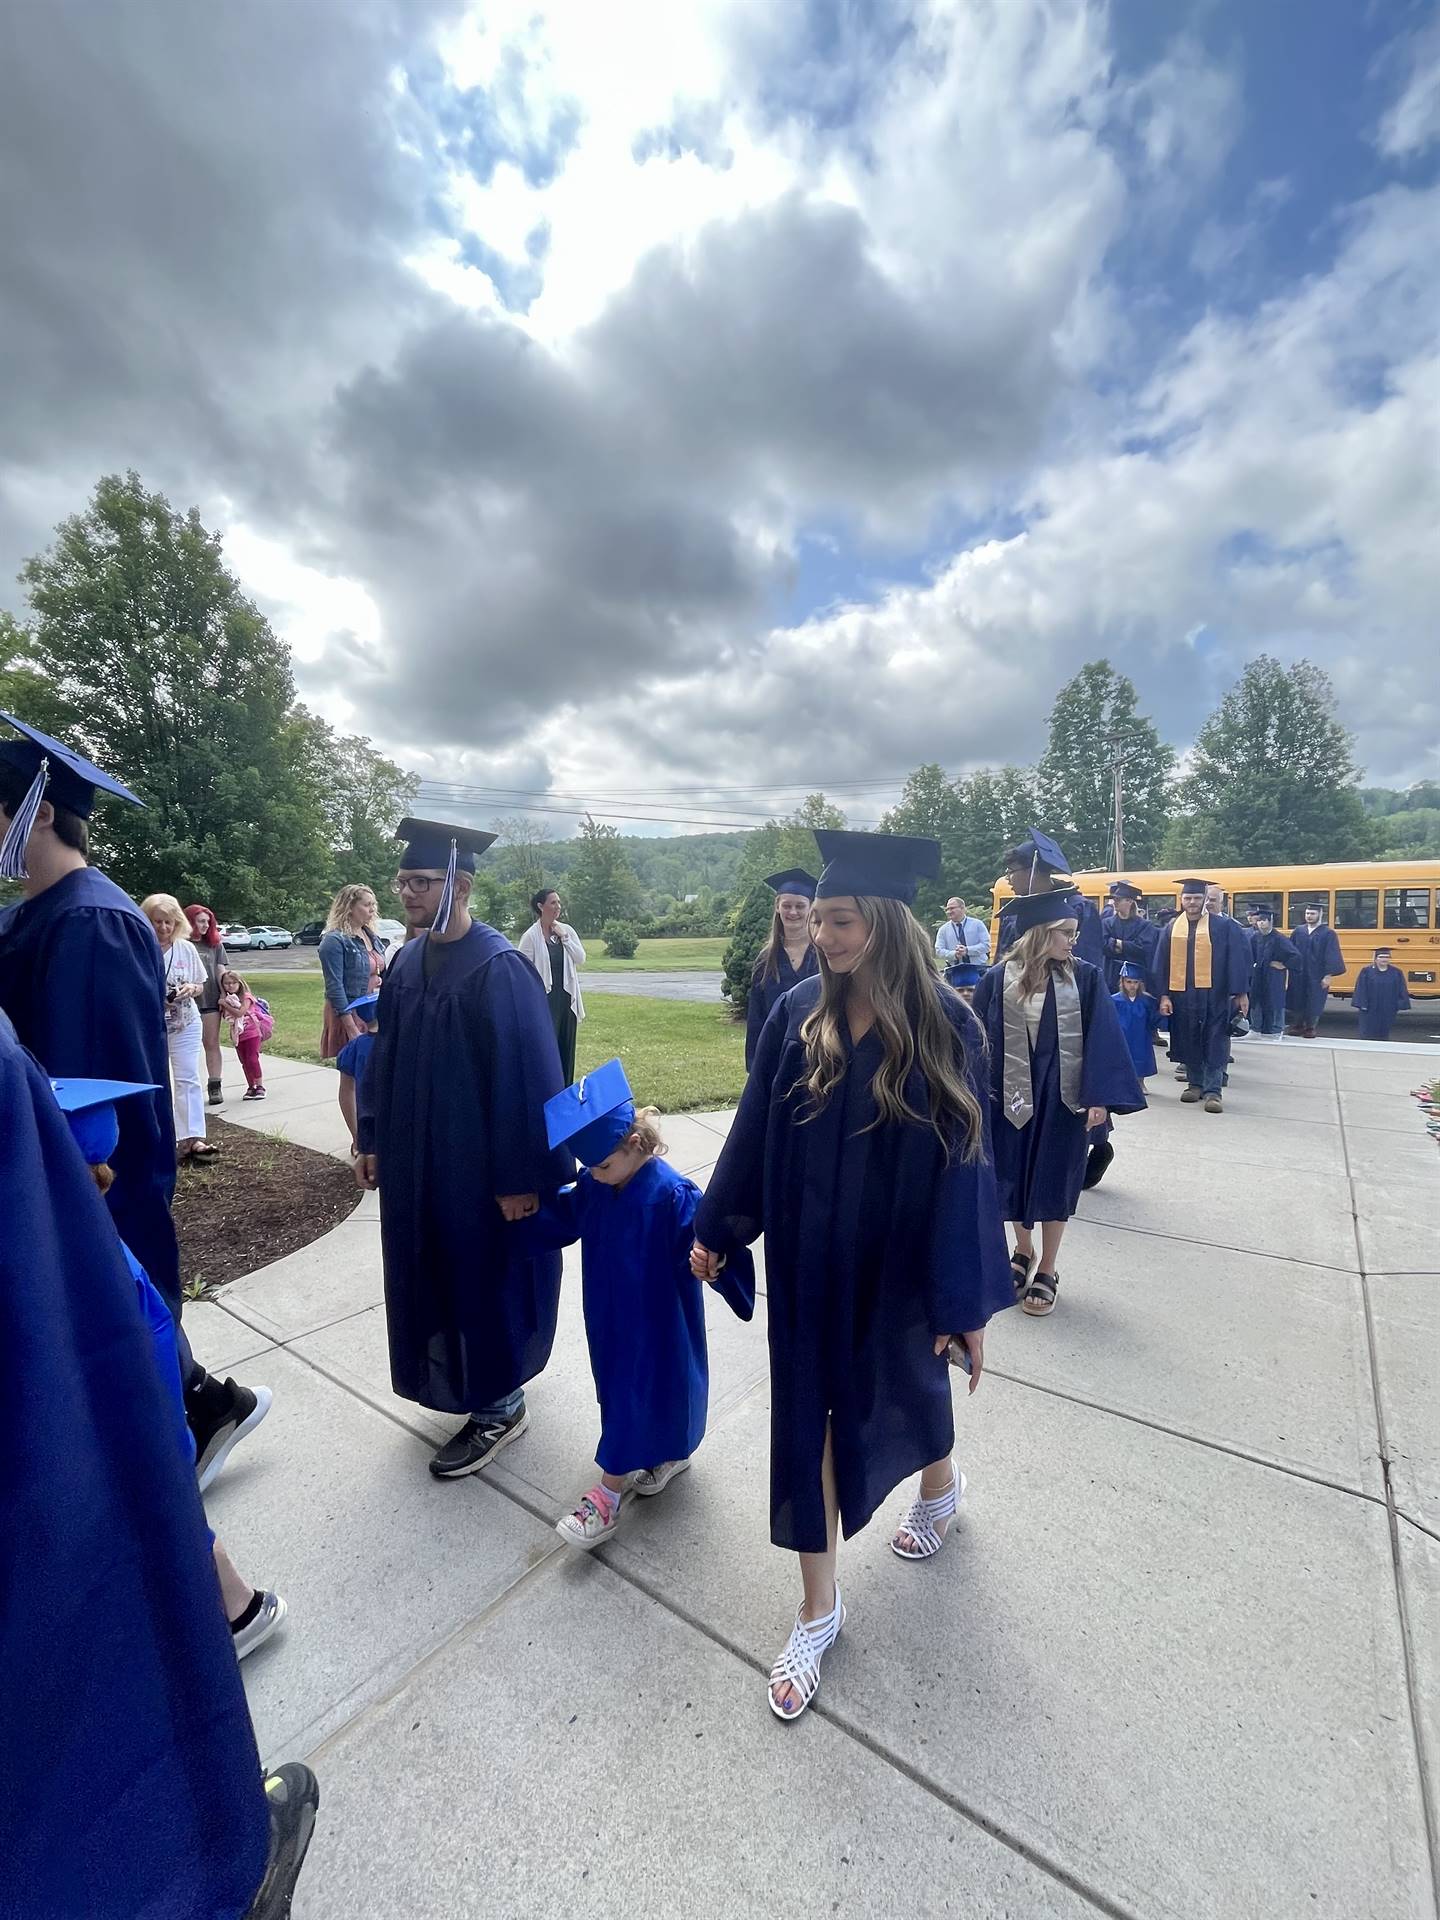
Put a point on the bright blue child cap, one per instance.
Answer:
(89, 1106)
(593, 1116)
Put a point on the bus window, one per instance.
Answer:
(1244, 901)
(1407, 907)
(1357, 908)
(1299, 902)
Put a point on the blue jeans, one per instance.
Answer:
(502, 1409)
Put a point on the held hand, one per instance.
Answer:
(704, 1264)
(974, 1345)
(1165, 1007)
(367, 1171)
(1325, 981)
(518, 1206)
(1242, 1004)
(1097, 1116)
(1279, 965)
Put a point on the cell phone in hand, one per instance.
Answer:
(959, 1355)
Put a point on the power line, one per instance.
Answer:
(647, 794)
(715, 825)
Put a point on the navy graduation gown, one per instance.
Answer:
(1039, 1168)
(1320, 959)
(1200, 1016)
(873, 1245)
(1379, 997)
(130, 1784)
(82, 977)
(1269, 984)
(1139, 1022)
(644, 1310)
(764, 994)
(452, 1100)
(1133, 940)
(1089, 938)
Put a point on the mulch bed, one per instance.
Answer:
(261, 1199)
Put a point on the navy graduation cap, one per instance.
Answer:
(433, 843)
(89, 1106)
(1039, 909)
(1263, 913)
(1192, 885)
(878, 866)
(793, 880)
(1038, 847)
(1122, 890)
(592, 1117)
(57, 773)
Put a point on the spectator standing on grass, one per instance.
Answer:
(205, 938)
(351, 959)
(184, 983)
(81, 976)
(555, 952)
(452, 1132)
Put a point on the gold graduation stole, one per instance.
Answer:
(1179, 949)
(1017, 1099)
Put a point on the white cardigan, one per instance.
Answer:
(532, 944)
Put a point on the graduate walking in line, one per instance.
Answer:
(633, 1215)
(1320, 962)
(861, 1150)
(134, 1785)
(451, 1117)
(1058, 1068)
(1380, 994)
(1201, 977)
(787, 957)
(1128, 937)
(1272, 955)
(1139, 1017)
(1037, 865)
(83, 979)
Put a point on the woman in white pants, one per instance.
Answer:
(184, 983)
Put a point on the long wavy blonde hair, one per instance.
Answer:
(914, 1028)
(344, 904)
(1036, 965)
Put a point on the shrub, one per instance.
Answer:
(752, 929)
(621, 940)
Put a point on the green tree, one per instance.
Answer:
(1272, 777)
(997, 807)
(363, 797)
(788, 842)
(932, 806)
(184, 692)
(602, 884)
(752, 928)
(1094, 718)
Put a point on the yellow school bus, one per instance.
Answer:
(1369, 903)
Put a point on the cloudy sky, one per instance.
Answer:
(743, 395)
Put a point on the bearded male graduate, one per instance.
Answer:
(451, 1116)
(1127, 936)
(1321, 961)
(1201, 977)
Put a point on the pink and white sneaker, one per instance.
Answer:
(593, 1521)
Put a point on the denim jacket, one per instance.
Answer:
(345, 963)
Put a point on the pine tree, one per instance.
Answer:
(1094, 718)
(752, 929)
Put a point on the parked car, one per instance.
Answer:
(309, 934)
(235, 939)
(391, 933)
(271, 937)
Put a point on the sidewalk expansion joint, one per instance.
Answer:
(1223, 1246)
(1407, 1638)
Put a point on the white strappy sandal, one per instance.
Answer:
(923, 1520)
(799, 1664)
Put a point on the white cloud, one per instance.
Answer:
(1411, 124)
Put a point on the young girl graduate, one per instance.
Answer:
(1380, 994)
(1139, 1017)
(861, 1150)
(787, 957)
(644, 1309)
(1058, 1066)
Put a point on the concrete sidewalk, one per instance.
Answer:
(1180, 1656)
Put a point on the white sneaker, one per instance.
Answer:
(594, 1520)
(652, 1480)
(256, 1632)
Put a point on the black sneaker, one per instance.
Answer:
(214, 1094)
(219, 1415)
(476, 1445)
(293, 1795)
(1097, 1162)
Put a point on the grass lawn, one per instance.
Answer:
(658, 956)
(678, 1054)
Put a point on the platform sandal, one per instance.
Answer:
(1020, 1265)
(925, 1523)
(799, 1665)
(1039, 1296)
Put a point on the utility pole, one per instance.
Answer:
(1117, 778)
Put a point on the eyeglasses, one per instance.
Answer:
(415, 883)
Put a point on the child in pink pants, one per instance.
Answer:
(250, 1028)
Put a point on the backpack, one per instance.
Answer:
(259, 1012)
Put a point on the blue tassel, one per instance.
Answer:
(12, 849)
(447, 894)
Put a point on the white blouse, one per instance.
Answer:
(183, 968)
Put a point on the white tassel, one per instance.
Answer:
(12, 848)
(447, 893)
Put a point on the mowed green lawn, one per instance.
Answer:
(678, 1054)
(659, 956)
